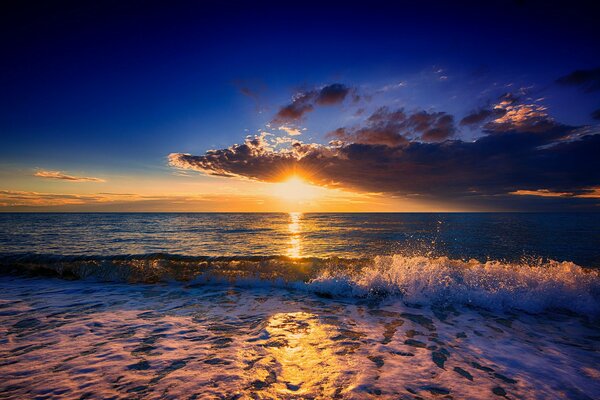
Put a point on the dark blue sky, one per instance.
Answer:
(119, 85)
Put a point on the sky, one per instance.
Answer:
(311, 106)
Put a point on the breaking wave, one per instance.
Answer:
(530, 285)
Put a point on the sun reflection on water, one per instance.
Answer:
(295, 232)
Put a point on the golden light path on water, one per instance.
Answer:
(294, 228)
(303, 348)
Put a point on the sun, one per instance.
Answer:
(295, 189)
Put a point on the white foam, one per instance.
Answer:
(532, 287)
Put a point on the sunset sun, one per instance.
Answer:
(296, 189)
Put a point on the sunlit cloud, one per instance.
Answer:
(524, 117)
(290, 130)
(511, 113)
(65, 177)
(12, 198)
(541, 193)
(589, 193)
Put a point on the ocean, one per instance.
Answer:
(274, 305)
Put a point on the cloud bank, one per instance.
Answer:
(521, 152)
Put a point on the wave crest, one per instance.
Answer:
(530, 285)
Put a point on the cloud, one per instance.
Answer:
(541, 193)
(305, 102)
(16, 198)
(522, 118)
(302, 104)
(511, 114)
(596, 114)
(290, 130)
(62, 176)
(436, 126)
(393, 86)
(587, 79)
(332, 94)
(591, 193)
(254, 159)
(394, 128)
(248, 92)
(480, 116)
(492, 165)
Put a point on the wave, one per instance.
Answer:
(531, 285)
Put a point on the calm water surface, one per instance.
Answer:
(498, 236)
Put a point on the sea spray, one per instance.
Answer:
(530, 285)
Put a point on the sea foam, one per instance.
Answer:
(531, 285)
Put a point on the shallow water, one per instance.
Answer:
(84, 339)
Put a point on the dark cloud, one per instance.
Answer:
(382, 135)
(248, 92)
(596, 114)
(587, 79)
(381, 127)
(393, 128)
(301, 105)
(332, 94)
(480, 116)
(434, 127)
(251, 88)
(305, 102)
(494, 165)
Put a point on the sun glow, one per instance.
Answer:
(295, 189)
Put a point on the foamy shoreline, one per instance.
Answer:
(180, 340)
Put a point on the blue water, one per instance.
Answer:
(483, 236)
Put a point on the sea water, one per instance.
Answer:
(300, 306)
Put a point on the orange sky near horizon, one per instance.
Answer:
(181, 191)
